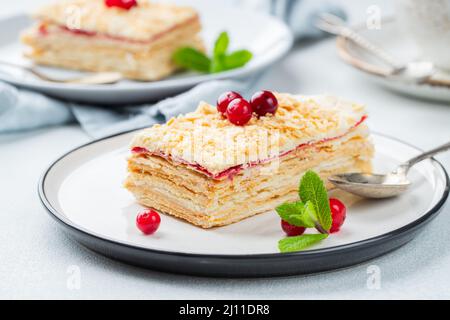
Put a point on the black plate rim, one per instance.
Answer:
(60, 218)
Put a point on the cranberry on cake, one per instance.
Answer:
(211, 172)
(134, 37)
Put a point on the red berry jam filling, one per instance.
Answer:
(138, 150)
(123, 4)
(43, 30)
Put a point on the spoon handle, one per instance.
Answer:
(408, 164)
(369, 46)
(335, 25)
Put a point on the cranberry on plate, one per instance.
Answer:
(239, 112)
(264, 102)
(225, 99)
(291, 230)
(148, 221)
(124, 4)
(338, 213)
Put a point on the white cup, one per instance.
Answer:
(428, 23)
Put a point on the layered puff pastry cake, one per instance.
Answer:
(201, 168)
(98, 36)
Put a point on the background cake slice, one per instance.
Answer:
(201, 168)
(91, 36)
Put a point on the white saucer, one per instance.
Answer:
(391, 38)
(267, 37)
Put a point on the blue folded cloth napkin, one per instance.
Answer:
(21, 109)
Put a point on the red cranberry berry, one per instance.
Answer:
(239, 112)
(225, 99)
(338, 213)
(148, 221)
(264, 102)
(124, 4)
(291, 230)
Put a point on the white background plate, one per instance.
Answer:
(85, 188)
(268, 38)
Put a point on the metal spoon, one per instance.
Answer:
(94, 78)
(412, 72)
(370, 185)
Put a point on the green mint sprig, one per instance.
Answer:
(193, 59)
(312, 211)
(298, 214)
(291, 244)
(313, 189)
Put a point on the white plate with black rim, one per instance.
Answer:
(268, 38)
(83, 192)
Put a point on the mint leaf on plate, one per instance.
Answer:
(291, 244)
(233, 60)
(313, 189)
(237, 59)
(309, 214)
(298, 214)
(219, 52)
(191, 58)
(221, 45)
(217, 64)
(312, 211)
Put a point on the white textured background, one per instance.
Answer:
(35, 255)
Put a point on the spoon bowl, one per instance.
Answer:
(370, 185)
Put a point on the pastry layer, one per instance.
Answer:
(185, 193)
(139, 43)
(140, 61)
(213, 145)
(144, 22)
